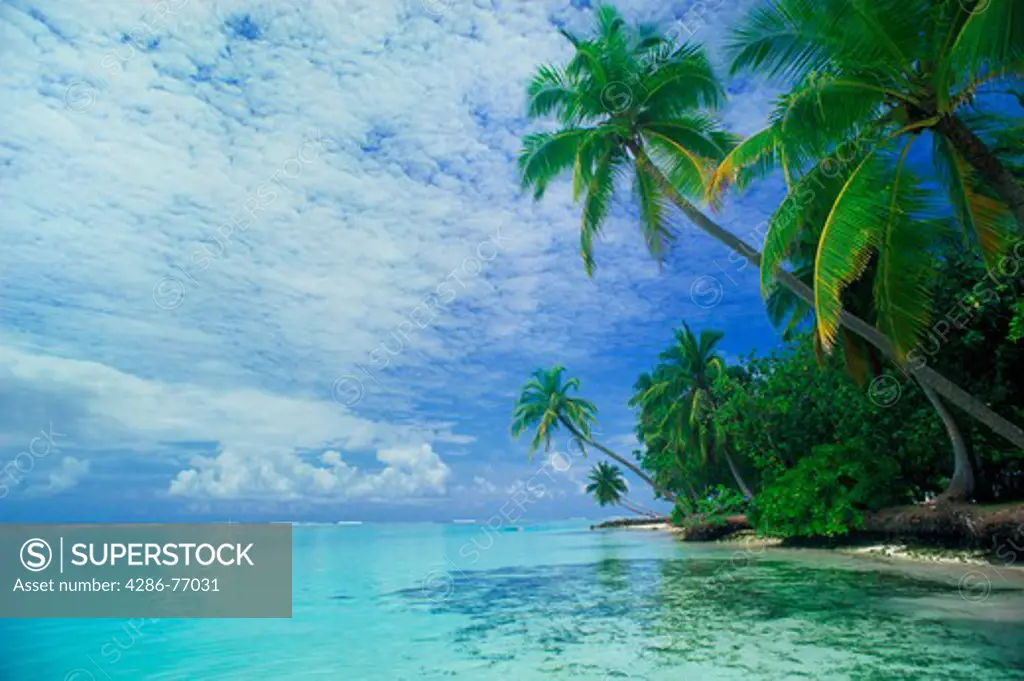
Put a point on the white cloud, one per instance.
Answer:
(67, 475)
(484, 485)
(104, 405)
(408, 473)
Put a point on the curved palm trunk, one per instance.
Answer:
(636, 508)
(643, 509)
(961, 486)
(612, 455)
(923, 374)
(996, 175)
(736, 474)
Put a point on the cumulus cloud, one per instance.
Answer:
(65, 476)
(407, 473)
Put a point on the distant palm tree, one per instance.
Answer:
(868, 78)
(545, 404)
(632, 103)
(609, 488)
(681, 385)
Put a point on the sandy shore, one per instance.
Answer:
(889, 553)
(656, 526)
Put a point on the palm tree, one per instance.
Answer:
(545, 404)
(888, 70)
(609, 488)
(869, 79)
(630, 101)
(680, 387)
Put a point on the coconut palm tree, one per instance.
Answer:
(630, 101)
(680, 388)
(609, 488)
(885, 71)
(547, 405)
(868, 80)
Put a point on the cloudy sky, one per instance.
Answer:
(271, 259)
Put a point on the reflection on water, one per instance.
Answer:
(720, 618)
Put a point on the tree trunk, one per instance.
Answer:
(736, 474)
(693, 492)
(961, 485)
(924, 375)
(988, 166)
(632, 510)
(615, 457)
(636, 508)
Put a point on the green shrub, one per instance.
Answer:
(826, 492)
(723, 500)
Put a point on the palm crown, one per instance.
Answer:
(868, 79)
(676, 398)
(545, 404)
(676, 404)
(629, 100)
(607, 484)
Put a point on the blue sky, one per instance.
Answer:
(222, 219)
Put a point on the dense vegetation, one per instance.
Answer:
(892, 266)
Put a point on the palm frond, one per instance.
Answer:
(985, 220)
(653, 208)
(757, 155)
(990, 38)
(874, 213)
(596, 201)
(806, 207)
(545, 155)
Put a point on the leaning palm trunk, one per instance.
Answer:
(612, 455)
(995, 174)
(634, 507)
(961, 486)
(736, 474)
(923, 374)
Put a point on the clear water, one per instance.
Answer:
(558, 602)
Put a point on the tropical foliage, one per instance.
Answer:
(630, 102)
(872, 86)
(609, 488)
(826, 493)
(633, 103)
(607, 485)
(903, 196)
(676, 404)
(546, 405)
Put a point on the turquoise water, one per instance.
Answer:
(558, 602)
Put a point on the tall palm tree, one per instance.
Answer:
(546, 404)
(631, 101)
(680, 387)
(609, 488)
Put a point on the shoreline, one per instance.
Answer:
(922, 543)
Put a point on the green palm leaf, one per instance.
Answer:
(875, 209)
(545, 155)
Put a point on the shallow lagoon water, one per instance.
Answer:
(424, 601)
